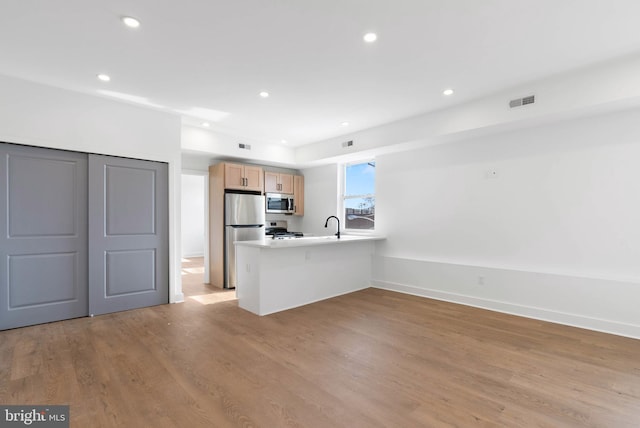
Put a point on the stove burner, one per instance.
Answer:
(287, 235)
(281, 233)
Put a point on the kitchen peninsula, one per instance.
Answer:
(279, 274)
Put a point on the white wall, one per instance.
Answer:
(193, 215)
(320, 198)
(607, 87)
(553, 235)
(43, 116)
(210, 142)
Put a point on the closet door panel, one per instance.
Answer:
(43, 244)
(128, 234)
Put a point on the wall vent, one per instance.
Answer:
(347, 143)
(244, 146)
(522, 101)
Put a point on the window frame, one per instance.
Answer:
(343, 196)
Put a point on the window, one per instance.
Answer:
(359, 200)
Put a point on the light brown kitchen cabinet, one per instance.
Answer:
(278, 183)
(243, 177)
(298, 195)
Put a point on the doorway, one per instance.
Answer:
(194, 218)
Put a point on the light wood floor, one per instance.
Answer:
(368, 359)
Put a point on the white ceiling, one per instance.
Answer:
(211, 58)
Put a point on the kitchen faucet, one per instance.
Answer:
(338, 220)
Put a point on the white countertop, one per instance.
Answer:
(307, 241)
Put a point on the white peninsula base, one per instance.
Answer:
(279, 275)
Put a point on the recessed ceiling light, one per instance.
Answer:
(447, 92)
(205, 124)
(104, 77)
(130, 22)
(370, 37)
(283, 141)
(264, 94)
(344, 124)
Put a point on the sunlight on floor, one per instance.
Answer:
(209, 299)
(194, 270)
(194, 288)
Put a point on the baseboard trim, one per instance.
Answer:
(177, 298)
(573, 320)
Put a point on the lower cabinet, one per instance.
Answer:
(85, 234)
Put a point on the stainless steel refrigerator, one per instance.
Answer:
(244, 221)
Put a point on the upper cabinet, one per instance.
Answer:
(242, 177)
(278, 183)
(298, 195)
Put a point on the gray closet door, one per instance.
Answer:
(128, 234)
(43, 243)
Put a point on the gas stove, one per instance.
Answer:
(278, 230)
(286, 235)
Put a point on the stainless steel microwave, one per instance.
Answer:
(279, 203)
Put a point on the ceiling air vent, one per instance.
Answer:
(522, 101)
(347, 143)
(244, 146)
